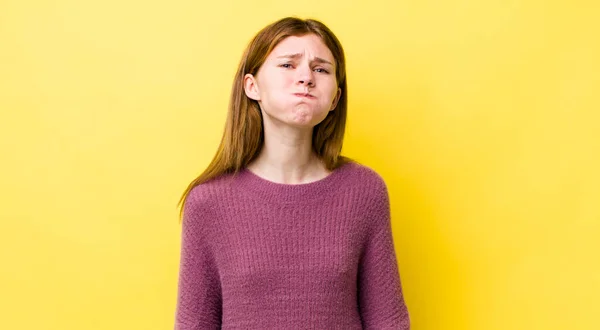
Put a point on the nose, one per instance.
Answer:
(305, 76)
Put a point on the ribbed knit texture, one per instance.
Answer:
(256, 254)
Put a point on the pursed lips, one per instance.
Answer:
(307, 95)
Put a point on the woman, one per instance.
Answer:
(281, 231)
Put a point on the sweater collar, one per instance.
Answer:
(284, 193)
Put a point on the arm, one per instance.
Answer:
(199, 290)
(380, 298)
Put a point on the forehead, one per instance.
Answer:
(309, 44)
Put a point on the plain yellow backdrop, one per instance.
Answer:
(482, 117)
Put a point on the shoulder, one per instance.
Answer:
(372, 196)
(202, 198)
(368, 179)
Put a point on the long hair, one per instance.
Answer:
(243, 137)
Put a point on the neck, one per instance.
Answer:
(287, 157)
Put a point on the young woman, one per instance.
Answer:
(281, 231)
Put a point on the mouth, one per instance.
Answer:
(307, 95)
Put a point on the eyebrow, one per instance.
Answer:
(297, 55)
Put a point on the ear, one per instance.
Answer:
(251, 87)
(336, 99)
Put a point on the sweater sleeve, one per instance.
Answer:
(380, 298)
(199, 291)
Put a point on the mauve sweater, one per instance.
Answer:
(256, 254)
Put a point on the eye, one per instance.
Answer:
(321, 70)
(286, 65)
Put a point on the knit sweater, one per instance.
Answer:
(256, 254)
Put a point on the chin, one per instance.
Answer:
(299, 116)
(306, 120)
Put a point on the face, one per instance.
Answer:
(296, 84)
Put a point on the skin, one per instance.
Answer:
(289, 117)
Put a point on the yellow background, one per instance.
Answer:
(482, 117)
